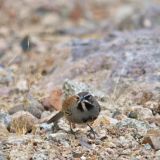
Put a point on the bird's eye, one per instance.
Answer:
(67, 112)
(88, 96)
(77, 98)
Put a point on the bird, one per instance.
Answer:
(81, 108)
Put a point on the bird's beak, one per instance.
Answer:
(81, 99)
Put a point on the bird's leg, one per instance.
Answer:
(92, 130)
(56, 127)
(72, 125)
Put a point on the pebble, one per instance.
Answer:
(152, 138)
(46, 127)
(5, 118)
(22, 85)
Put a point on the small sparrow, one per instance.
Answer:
(82, 108)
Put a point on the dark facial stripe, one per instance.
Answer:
(80, 107)
(84, 96)
(88, 106)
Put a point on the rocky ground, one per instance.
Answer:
(52, 49)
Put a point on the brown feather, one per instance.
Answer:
(70, 101)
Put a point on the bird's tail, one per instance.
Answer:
(55, 118)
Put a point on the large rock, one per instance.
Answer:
(140, 126)
(53, 101)
(22, 122)
(72, 87)
(32, 106)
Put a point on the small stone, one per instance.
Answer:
(5, 118)
(46, 127)
(116, 113)
(22, 122)
(83, 158)
(147, 23)
(147, 146)
(77, 155)
(133, 114)
(134, 158)
(110, 151)
(22, 85)
(152, 137)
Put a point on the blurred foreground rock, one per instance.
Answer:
(22, 122)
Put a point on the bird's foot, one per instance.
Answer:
(92, 134)
(56, 128)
